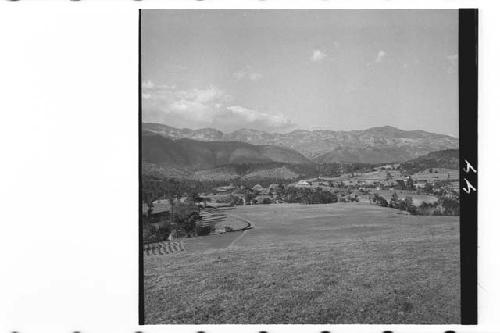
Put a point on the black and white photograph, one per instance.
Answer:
(300, 166)
(250, 166)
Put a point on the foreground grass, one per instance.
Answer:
(334, 264)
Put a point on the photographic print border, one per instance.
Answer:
(468, 94)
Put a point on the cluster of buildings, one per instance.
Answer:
(230, 195)
(386, 178)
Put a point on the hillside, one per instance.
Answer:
(274, 173)
(373, 145)
(367, 155)
(192, 154)
(447, 159)
(206, 134)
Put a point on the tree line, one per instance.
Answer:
(446, 205)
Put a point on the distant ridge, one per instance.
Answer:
(193, 154)
(373, 145)
(448, 159)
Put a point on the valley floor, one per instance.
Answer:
(339, 263)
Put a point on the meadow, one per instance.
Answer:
(339, 263)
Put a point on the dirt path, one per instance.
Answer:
(250, 225)
(237, 239)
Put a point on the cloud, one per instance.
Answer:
(380, 56)
(208, 107)
(196, 105)
(168, 101)
(201, 96)
(452, 63)
(150, 90)
(317, 56)
(247, 74)
(236, 116)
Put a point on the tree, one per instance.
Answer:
(409, 206)
(428, 188)
(203, 229)
(451, 206)
(249, 197)
(172, 190)
(189, 224)
(394, 201)
(380, 200)
(195, 197)
(410, 183)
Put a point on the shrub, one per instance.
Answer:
(394, 201)
(203, 229)
(380, 200)
(451, 206)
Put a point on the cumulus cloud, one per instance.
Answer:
(151, 90)
(317, 56)
(236, 116)
(380, 56)
(201, 96)
(247, 74)
(208, 107)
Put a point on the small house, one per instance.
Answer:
(258, 188)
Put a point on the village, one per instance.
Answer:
(347, 187)
(423, 193)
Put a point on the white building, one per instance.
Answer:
(303, 183)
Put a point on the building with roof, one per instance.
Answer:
(303, 183)
(258, 188)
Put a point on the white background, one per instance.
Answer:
(68, 167)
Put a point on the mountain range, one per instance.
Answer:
(373, 145)
(195, 154)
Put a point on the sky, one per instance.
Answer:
(280, 70)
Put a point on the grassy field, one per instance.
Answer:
(337, 263)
